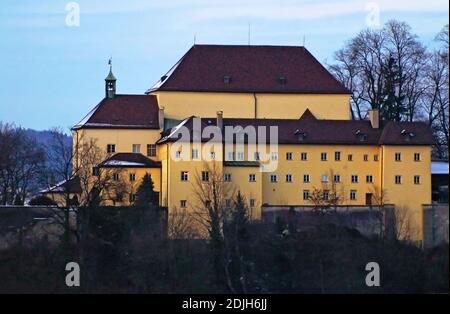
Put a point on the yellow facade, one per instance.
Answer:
(123, 139)
(251, 190)
(131, 185)
(321, 173)
(408, 194)
(179, 105)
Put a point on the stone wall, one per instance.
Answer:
(368, 220)
(435, 225)
(27, 225)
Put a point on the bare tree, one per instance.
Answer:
(383, 69)
(83, 180)
(327, 198)
(209, 200)
(21, 162)
(181, 225)
(405, 229)
(390, 69)
(379, 200)
(224, 223)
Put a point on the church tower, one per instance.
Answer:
(110, 83)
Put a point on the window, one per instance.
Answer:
(337, 156)
(178, 154)
(252, 177)
(288, 156)
(303, 156)
(151, 150)
(252, 202)
(398, 179)
(257, 156)
(227, 177)
(228, 203)
(366, 157)
(95, 171)
(183, 203)
(240, 156)
(416, 156)
(416, 179)
(205, 176)
(305, 194)
(306, 178)
(326, 194)
(136, 148)
(273, 178)
(353, 195)
(354, 178)
(132, 177)
(184, 176)
(337, 178)
(324, 178)
(116, 177)
(350, 157)
(231, 156)
(111, 148)
(398, 157)
(212, 155)
(289, 178)
(274, 156)
(369, 179)
(323, 156)
(375, 157)
(195, 154)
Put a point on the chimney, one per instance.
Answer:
(374, 117)
(161, 118)
(220, 119)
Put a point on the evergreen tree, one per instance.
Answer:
(146, 196)
(392, 107)
(240, 216)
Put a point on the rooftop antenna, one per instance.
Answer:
(195, 38)
(303, 40)
(249, 33)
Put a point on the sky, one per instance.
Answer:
(53, 61)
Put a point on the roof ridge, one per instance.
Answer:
(250, 46)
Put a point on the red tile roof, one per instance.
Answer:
(123, 111)
(263, 69)
(317, 131)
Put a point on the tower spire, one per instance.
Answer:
(110, 82)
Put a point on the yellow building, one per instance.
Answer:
(318, 145)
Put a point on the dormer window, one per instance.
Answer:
(407, 135)
(300, 135)
(361, 136)
(282, 80)
(163, 78)
(227, 79)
